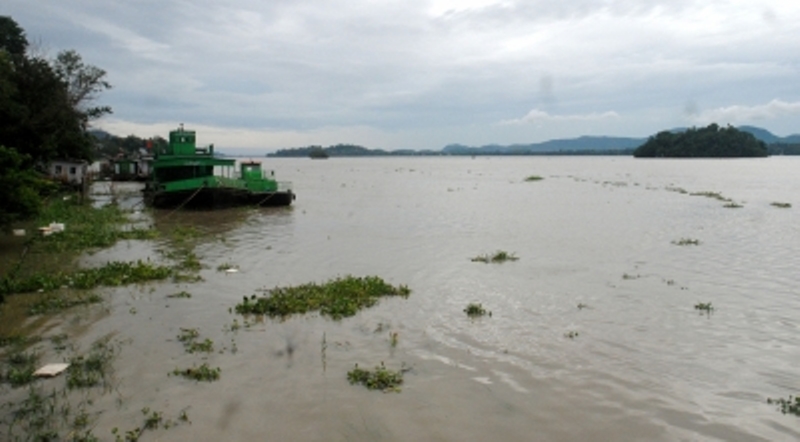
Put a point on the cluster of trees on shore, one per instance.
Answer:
(706, 142)
(46, 106)
(109, 146)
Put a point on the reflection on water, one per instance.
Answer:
(597, 232)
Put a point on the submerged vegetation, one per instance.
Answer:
(498, 257)
(686, 242)
(339, 298)
(379, 379)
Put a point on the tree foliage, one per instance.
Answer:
(20, 187)
(45, 110)
(706, 142)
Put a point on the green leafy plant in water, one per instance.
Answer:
(533, 178)
(781, 205)
(732, 205)
(19, 368)
(181, 294)
(114, 273)
(92, 369)
(339, 298)
(379, 379)
(787, 406)
(473, 310)
(704, 307)
(686, 242)
(498, 257)
(189, 338)
(201, 373)
(152, 421)
(18, 340)
(86, 226)
(62, 301)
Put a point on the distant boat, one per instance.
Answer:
(183, 176)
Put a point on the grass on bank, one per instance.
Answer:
(338, 298)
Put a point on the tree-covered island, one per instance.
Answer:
(706, 142)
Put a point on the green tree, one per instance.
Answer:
(20, 187)
(705, 142)
(84, 84)
(12, 37)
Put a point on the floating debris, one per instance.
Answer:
(51, 370)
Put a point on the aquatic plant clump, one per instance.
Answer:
(787, 406)
(380, 379)
(57, 303)
(704, 307)
(686, 242)
(339, 298)
(499, 257)
(114, 273)
(781, 205)
(19, 368)
(92, 369)
(473, 310)
(533, 178)
(201, 373)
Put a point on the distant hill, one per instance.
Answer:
(768, 137)
(597, 144)
(585, 144)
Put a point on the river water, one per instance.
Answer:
(597, 261)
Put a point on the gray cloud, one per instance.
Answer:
(421, 74)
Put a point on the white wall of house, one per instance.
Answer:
(67, 171)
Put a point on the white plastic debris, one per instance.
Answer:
(231, 270)
(51, 370)
(19, 232)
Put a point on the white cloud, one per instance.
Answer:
(538, 116)
(744, 114)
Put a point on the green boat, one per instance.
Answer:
(186, 176)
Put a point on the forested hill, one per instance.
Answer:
(707, 142)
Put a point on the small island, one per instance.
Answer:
(707, 142)
(317, 153)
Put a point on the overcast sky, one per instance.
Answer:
(419, 74)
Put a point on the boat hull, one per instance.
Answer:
(216, 198)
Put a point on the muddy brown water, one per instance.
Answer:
(596, 231)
